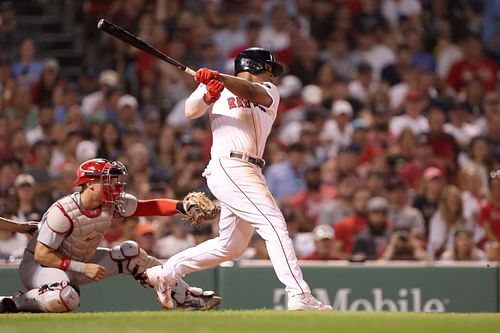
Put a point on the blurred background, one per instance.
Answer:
(386, 145)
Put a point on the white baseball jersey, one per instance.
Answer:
(240, 125)
(75, 232)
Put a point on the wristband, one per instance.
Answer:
(180, 207)
(67, 264)
(77, 266)
(64, 264)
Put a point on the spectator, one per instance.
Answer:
(479, 158)
(404, 245)
(231, 36)
(392, 73)
(177, 241)
(110, 143)
(276, 36)
(362, 88)
(394, 10)
(413, 107)
(97, 103)
(444, 147)
(372, 242)
(401, 214)
(347, 228)
(49, 89)
(24, 207)
(146, 237)
(490, 212)
(473, 64)
(339, 57)
(433, 184)
(412, 171)
(324, 243)
(341, 206)
(376, 54)
(459, 125)
(27, 69)
(448, 217)
(337, 132)
(287, 178)
(463, 248)
(43, 129)
(308, 203)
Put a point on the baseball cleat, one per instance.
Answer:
(7, 305)
(205, 301)
(306, 302)
(162, 287)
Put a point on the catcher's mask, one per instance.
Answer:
(112, 177)
(256, 60)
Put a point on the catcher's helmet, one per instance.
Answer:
(111, 175)
(256, 60)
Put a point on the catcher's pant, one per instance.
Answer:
(246, 205)
(34, 276)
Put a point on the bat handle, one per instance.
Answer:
(190, 71)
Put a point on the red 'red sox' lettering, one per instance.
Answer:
(238, 102)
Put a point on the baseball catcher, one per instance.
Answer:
(64, 252)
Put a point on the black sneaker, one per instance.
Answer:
(8, 306)
(206, 301)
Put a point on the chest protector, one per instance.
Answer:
(87, 232)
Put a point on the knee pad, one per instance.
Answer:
(131, 259)
(60, 297)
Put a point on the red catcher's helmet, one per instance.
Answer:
(111, 176)
(91, 170)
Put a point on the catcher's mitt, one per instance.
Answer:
(199, 207)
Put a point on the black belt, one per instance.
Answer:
(254, 160)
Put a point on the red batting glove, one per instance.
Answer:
(214, 89)
(204, 75)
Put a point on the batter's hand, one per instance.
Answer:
(94, 271)
(204, 75)
(214, 88)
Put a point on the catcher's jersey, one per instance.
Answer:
(240, 125)
(75, 232)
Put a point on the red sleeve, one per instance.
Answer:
(156, 207)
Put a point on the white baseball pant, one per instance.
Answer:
(246, 204)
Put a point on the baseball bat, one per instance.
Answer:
(135, 41)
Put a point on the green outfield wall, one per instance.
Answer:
(346, 287)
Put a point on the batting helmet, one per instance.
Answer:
(256, 60)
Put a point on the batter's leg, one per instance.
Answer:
(233, 239)
(243, 188)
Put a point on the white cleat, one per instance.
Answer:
(306, 302)
(163, 288)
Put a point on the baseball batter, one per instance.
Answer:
(64, 252)
(242, 110)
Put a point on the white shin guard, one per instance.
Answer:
(55, 298)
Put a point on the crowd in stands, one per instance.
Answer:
(386, 145)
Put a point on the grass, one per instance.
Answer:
(249, 321)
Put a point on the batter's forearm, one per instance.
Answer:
(246, 89)
(195, 107)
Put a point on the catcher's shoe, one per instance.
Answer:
(197, 299)
(163, 288)
(306, 302)
(7, 305)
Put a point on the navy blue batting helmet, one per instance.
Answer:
(257, 60)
